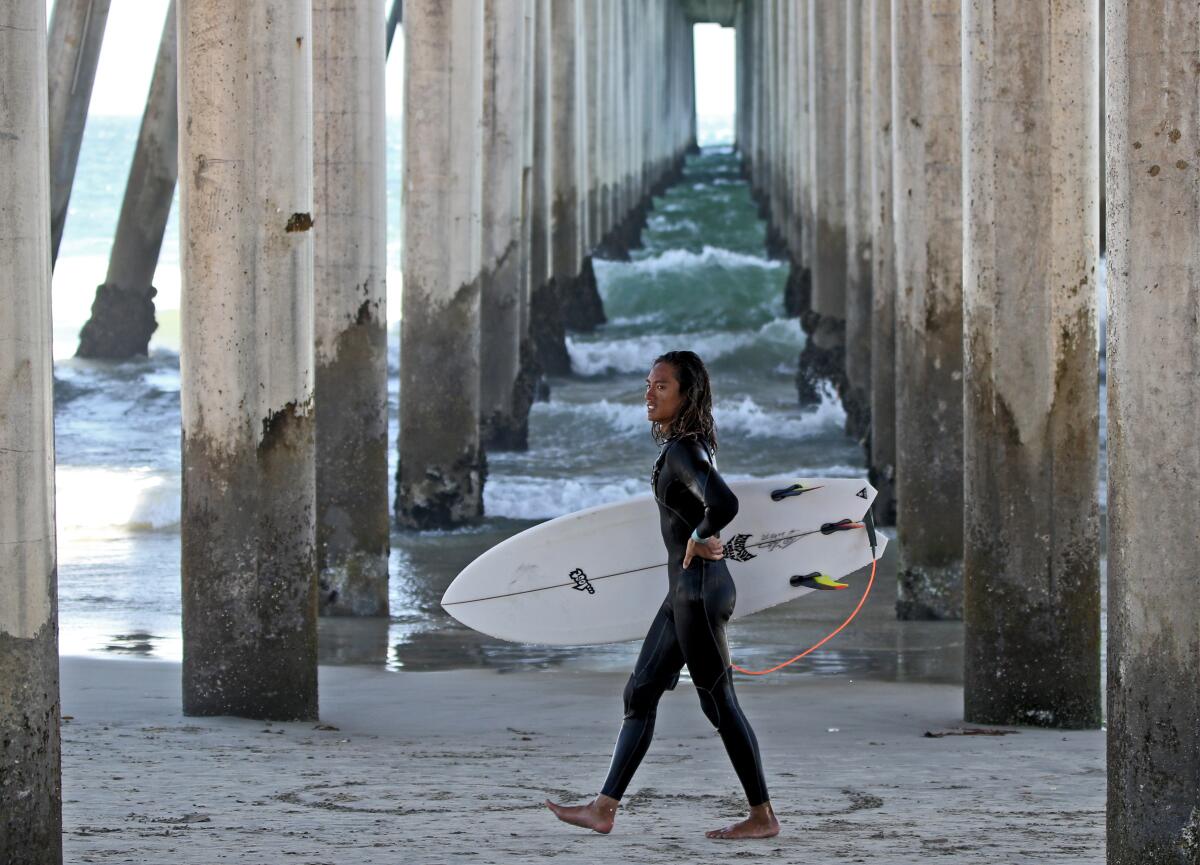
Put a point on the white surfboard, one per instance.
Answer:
(599, 575)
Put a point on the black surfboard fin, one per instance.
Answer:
(817, 580)
(793, 490)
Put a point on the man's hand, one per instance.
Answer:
(712, 549)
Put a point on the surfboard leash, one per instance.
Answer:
(869, 524)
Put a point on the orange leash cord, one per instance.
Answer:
(816, 646)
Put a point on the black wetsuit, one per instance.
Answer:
(690, 626)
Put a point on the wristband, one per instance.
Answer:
(697, 538)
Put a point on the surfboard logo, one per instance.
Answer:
(735, 548)
(582, 583)
(862, 494)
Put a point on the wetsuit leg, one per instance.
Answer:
(703, 603)
(657, 670)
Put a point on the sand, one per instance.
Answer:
(453, 767)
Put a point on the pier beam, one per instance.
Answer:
(122, 319)
(505, 413)
(349, 296)
(30, 750)
(441, 472)
(1031, 558)
(882, 461)
(927, 175)
(76, 32)
(1153, 102)
(248, 526)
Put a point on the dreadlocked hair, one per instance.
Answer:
(695, 418)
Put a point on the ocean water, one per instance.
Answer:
(702, 281)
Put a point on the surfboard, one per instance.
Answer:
(599, 575)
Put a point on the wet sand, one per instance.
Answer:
(453, 766)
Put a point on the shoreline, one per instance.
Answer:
(397, 758)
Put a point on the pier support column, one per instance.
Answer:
(529, 385)
(798, 290)
(30, 761)
(882, 462)
(574, 275)
(248, 521)
(927, 175)
(1031, 557)
(395, 18)
(594, 75)
(442, 469)
(856, 399)
(122, 318)
(546, 332)
(823, 356)
(76, 33)
(565, 226)
(349, 288)
(504, 416)
(1153, 103)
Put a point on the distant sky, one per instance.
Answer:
(135, 26)
(715, 74)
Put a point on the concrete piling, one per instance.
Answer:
(349, 289)
(248, 516)
(1031, 559)
(593, 71)
(30, 749)
(122, 319)
(395, 18)
(882, 459)
(859, 273)
(828, 67)
(504, 413)
(442, 467)
(798, 292)
(76, 33)
(546, 332)
(1152, 56)
(927, 144)
(824, 318)
(566, 260)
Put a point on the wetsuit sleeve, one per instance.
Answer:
(692, 467)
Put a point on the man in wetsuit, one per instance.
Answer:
(694, 504)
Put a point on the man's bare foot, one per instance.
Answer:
(598, 815)
(760, 824)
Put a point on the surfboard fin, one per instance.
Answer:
(788, 492)
(817, 580)
(840, 526)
